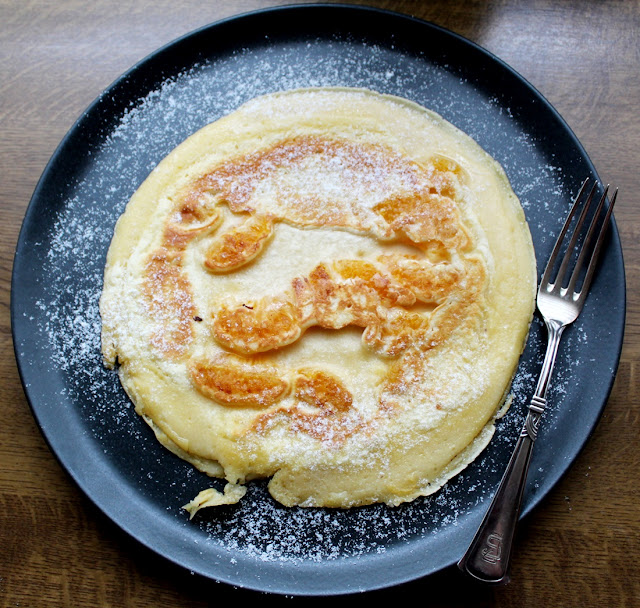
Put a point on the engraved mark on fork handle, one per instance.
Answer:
(492, 552)
(531, 424)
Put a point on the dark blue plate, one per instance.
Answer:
(80, 406)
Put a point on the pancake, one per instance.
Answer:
(329, 288)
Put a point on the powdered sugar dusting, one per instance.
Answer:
(65, 314)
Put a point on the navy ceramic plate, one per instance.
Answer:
(80, 406)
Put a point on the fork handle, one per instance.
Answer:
(487, 558)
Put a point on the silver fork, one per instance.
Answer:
(559, 302)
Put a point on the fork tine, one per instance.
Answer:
(571, 247)
(596, 248)
(546, 278)
(587, 240)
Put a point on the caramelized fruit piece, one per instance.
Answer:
(234, 381)
(424, 218)
(429, 282)
(258, 326)
(238, 246)
(322, 390)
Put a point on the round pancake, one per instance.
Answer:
(330, 288)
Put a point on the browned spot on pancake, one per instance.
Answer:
(360, 168)
(395, 332)
(403, 374)
(257, 326)
(170, 302)
(421, 206)
(234, 381)
(236, 180)
(461, 307)
(238, 246)
(196, 213)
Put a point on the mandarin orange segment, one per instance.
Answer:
(322, 390)
(238, 246)
(356, 269)
(429, 282)
(233, 381)
(257, 326)
(363, 276)
(424, 218)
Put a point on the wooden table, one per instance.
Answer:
(579, 548)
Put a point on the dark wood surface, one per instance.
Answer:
(581, 547)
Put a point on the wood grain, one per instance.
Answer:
(579, 548)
